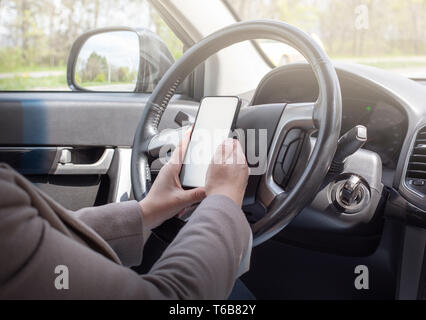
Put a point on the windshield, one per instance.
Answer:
(389, 34)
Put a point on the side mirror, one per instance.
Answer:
(117, 59)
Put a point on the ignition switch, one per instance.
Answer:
(351, 190)
(350, 195)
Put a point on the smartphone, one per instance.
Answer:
(216, 118)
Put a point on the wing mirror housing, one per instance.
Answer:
(117, 59)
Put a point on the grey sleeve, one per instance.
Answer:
(202, 262)
(204, 259)
(120, 225)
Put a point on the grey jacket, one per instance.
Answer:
(37, 235)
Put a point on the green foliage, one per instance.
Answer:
(123, 74)
(100, 77)
(28, 83)
(96, 68)
(10, 59)
(166, 34)
(98, 71)
(77, 78)
(39, 35)
(394, 27)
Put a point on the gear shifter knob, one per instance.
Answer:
(350, 142)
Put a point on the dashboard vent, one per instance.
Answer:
(416, 170)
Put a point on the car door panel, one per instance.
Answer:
(76, 146)
(79, 119)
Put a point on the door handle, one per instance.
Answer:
(99, 167)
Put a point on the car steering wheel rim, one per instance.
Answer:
(324, 115)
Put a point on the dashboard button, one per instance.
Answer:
(418, 183)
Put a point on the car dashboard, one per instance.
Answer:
(393, 109)
(366, 100)
(386, 124)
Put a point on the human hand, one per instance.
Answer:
(167, 197)
(228, 173)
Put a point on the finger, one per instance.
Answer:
(240, 157)
(185, 141)
(179, 152)
(223, 151)
(194, 195)
(232, 155)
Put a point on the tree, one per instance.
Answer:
(96, 68)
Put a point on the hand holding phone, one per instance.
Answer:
(166, 197)
(215, 120)
(228, 173)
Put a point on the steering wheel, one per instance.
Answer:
(323, 115)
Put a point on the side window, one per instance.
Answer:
(36, 37)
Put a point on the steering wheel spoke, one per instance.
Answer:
(165, 141)
(295, 116)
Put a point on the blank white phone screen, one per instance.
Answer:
(212, 127)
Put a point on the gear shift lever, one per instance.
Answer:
(349, 193)
(350, 142)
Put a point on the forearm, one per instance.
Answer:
(119, 224)
(203, 260)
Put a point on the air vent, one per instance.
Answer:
(416, 170)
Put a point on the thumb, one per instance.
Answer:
(194, 195)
